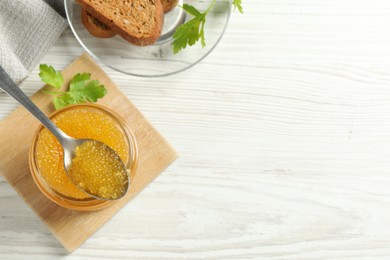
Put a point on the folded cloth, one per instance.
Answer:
(27, 29)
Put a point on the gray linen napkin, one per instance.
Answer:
(27, 29)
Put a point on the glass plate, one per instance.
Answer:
(157, 59)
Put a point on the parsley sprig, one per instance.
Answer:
(81, 88)
(237, 4)
(190, 32)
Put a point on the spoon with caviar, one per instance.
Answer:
(92, 166)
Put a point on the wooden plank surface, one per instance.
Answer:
(71, 227)
(284, 140)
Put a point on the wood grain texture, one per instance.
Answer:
(71, 227)
(284, 140)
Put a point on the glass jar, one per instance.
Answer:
(78, 121)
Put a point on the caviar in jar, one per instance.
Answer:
(81, 122)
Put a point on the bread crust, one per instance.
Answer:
(137, 39)
(96, 27)
(168, 5)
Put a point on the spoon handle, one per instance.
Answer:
(7, 84)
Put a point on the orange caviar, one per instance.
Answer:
(78, 122)
(98, 170)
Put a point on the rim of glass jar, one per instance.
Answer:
(87, 204)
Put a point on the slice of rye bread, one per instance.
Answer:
(95, 27)
(137, 21)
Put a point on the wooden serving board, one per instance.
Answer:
(70, 227)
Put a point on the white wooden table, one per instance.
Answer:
(284, 141)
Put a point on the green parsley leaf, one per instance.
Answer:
(190, 32)
(237, 4)
(191, 10)
(81, 89)
(50, 76)
(63, 101)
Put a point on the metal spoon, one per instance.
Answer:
(68, 143)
